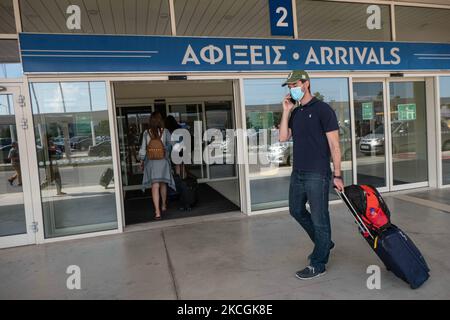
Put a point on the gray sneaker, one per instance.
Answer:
(331, 248)
(309, 273)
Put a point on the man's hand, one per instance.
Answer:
(287, 103)
(338, 184)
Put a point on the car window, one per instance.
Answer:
(379, 129)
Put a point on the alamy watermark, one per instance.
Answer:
(374, 280)
(217, 146)
(73, 282)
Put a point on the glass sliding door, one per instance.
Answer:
(391, 133)
(132, 123)
(444, 88)
(219, 116)
(370, 126)
(15, 209)
(73, 146)
(186, 115)
(408, 132)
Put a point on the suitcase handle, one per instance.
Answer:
(354, 213)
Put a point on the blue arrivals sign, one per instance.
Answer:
(49, 53)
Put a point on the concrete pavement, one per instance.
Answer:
(233, 258)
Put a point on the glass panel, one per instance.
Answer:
(147, 17)
(422, 24)
(74, 157)
(370, 133)
(342, 21)
(445, 127)
(222, 18)
(136, 122)
(186, 115)
(219, 115)
(272, 163)
(263, 114)
(12, 210)
(8, 21)
(409, 132)
(10, 66)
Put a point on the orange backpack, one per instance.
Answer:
(155, 148)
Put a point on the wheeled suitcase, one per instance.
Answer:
(106, 177)
(397, 251)
(188, 190)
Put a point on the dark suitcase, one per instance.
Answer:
(106, 177)
(397, 251)
(401, 256)
(188, 190)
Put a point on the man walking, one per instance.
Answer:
(14, 157)
(315, 131)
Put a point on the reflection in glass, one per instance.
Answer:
(132, 124)
(445, 128)
(219, 115)
(370, 137)
(274, 166)
(409, 132)
(12, 210)
(271, 165)
(186, 115)
(11, 70)
(73, 145)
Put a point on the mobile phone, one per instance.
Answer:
(292, 100)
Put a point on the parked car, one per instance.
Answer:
(281, 152)
(99, 139)
(403, 138)
(103, 149)
(81, 143)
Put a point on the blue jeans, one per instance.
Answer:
(312, 187)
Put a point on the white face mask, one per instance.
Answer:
(296, 93)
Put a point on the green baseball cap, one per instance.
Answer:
(295, 76)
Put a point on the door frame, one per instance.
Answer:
(123, 107)
(429, 129)
(429, 105)
(25, 144)
(237, 105)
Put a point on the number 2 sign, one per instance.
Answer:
(281, 22)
